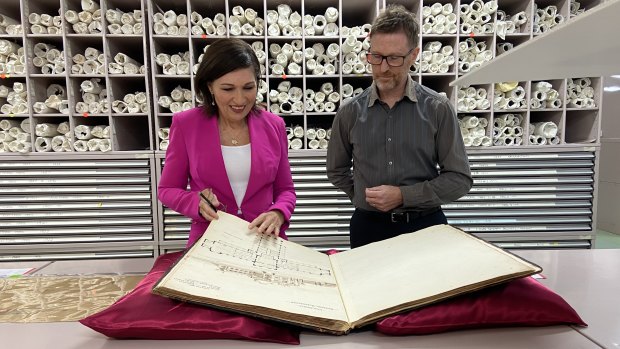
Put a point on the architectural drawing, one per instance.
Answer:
(266, 262)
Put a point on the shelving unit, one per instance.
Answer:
(544, 215)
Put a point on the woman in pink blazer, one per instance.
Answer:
(233, 155)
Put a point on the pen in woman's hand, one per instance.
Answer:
(208, 202)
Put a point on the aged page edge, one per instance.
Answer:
(502, 251)
(339, 280)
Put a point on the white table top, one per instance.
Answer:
(72, 335)
(589, 280)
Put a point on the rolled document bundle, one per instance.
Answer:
(509, 96)
(83, 132)
(61, 144)
(322, 143)
(95, 144)
(311, 133)
(545, 129)
(473, 131)
(164, 133)
(97, 131)
(580, 93)
(6, 124)
(46, 130)
(298, 131)
(475, 99)
(330, 107)
(89, 5)
(319, 107)
(331, 15)
(507, 130)
(106, 132)
(63, 128)
(20, 147)
(25, 125)
(91, 86)
(470, 121)
(80, 145)
(6, 137)
(296, 144)
(43, 144)
(537, 140)
(546, 18)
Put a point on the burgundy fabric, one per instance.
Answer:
(331, 252)
(141, 314)
(521, 302)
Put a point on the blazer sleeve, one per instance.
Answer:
(172, 189)
(283, 188)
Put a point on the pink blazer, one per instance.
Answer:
(194, 154)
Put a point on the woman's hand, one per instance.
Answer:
(204, 208)
(268, 222)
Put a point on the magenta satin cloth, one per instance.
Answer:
(141, 314)
(521, 302)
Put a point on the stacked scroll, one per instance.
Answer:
(164, 137)
(15, 136)
(508, 129)
(87, 21)
(92, 138)
(48, 58)
(180, 99)
(10, 26)
(55, 102)
(44, 23)
(12, 58)
(318, 138)
(94, 98)
(473, 131)
(14, 100)
(53, 137)
(124, 22)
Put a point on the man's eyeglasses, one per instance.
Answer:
(392, 61)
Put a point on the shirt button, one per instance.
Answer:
(390, 163)
(389, 139)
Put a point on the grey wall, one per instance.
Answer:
(608, 212)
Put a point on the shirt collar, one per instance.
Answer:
(409, 92)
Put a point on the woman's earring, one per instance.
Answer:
(212, 99)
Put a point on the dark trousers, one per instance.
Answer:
(370, 226)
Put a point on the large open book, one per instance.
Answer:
(236, 269)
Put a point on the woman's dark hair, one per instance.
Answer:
(222, 57)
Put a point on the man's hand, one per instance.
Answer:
(384, 197)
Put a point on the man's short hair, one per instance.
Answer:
(394, 19)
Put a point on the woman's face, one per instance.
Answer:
(235, 94)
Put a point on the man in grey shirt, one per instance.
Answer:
(402, 139)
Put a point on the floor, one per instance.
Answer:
(606, 240)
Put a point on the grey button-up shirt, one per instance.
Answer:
(416, 145)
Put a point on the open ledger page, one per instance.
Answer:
(418, 265)
(232, 264)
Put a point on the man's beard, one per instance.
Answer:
(386, 82)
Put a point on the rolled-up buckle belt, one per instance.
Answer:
(404, 216)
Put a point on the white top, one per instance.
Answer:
(237, 161)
